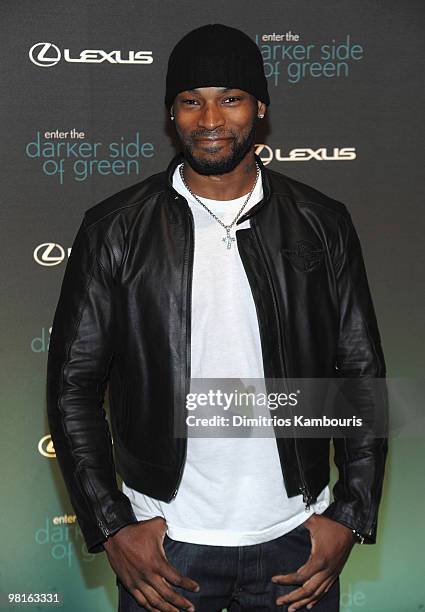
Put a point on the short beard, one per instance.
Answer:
(239, 148)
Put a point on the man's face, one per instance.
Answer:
(216, 127)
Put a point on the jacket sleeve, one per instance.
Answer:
(360, 364)
(79, 357)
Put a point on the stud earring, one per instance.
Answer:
(260, 116)
(172, 117)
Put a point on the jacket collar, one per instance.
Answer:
(267, 188)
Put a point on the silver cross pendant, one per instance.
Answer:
(229, 239)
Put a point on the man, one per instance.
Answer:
(217, 267)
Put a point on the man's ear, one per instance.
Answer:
(261, 109)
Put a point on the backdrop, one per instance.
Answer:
(82, 116)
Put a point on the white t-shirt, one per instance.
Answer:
(232, 491)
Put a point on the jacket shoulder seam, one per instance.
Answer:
(117, 210)
(342, 213)
(289, 184)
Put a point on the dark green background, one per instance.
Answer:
(378, 109)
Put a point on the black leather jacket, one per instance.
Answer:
(124, 317)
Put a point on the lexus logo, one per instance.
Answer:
(46, 448)
(267, 154)
(49, 254)
(44, 54)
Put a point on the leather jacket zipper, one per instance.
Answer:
(307, 497)
(86, 484)
(188, 324)
(104, 530)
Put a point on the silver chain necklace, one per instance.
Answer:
(228, 238)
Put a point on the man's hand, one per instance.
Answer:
(137, 556)
(331, 543)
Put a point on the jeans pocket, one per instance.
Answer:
(302, 528)
(166, 541)
(169, 545)
(304, 533)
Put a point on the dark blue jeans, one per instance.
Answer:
(238, 577)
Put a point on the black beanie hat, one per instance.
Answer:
(216, 55)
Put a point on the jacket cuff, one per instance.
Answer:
(341, 512)
(98, 532)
